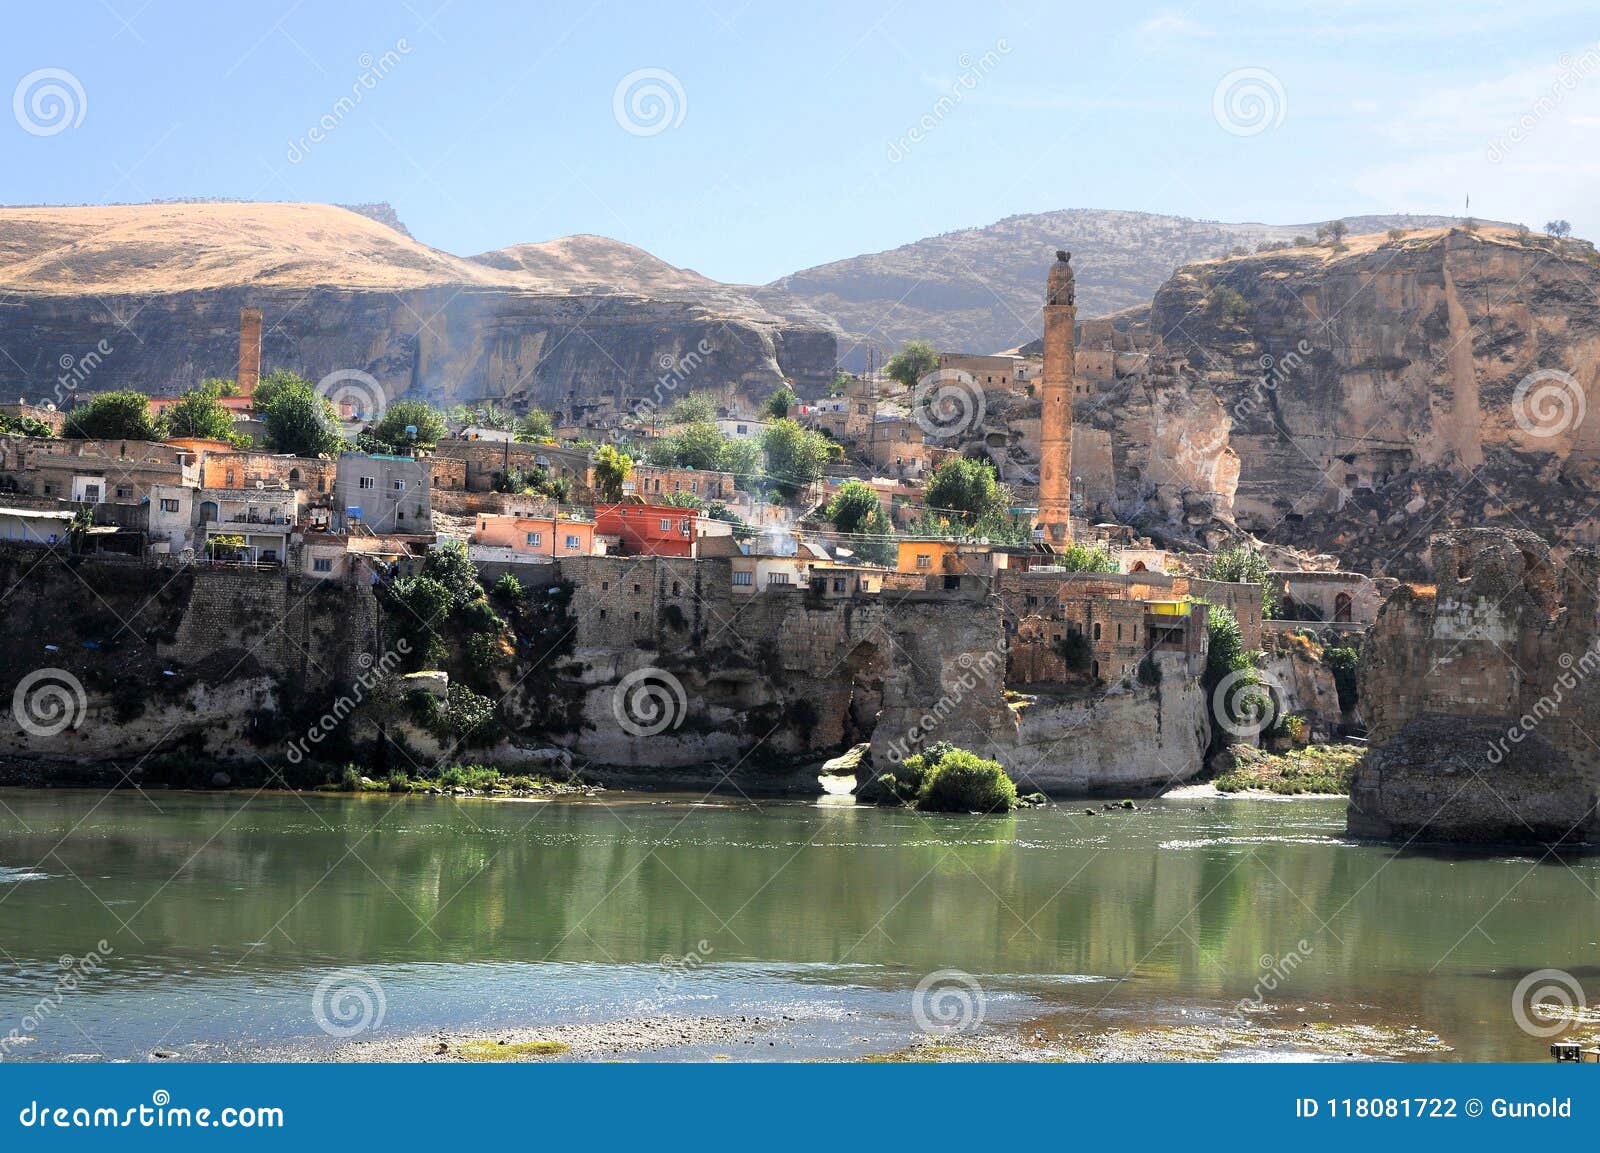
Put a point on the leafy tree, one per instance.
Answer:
(778, 403)
(967, 489)
(795, 457)
(536, 427)
(1244, 564)
(611, 468)
(854, 504)
(914, 361)
(25, 426)
(223, 385)
(275, 383)
(429, 423)
(683, 500)
(200, 414)
(691, 409)
(1226, 306)
(1333, 232)
(840, 384)
(450, 566)
(697, 445)
(298, 419)
(1086, 558)
(1225, 656)
(740, 457)
(952, 780)
(419, 603)
(1559, 229)
(1346, 664)
(121, 415)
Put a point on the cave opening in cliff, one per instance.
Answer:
(864, 666)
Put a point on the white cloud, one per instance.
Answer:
(1167, 28)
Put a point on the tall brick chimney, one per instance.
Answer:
(249, 350)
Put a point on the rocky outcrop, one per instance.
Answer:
(1480, 694)
(1336, 398)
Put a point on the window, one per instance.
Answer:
(924, 560)
(677, 589)
(294, 476)
(399, 486)
(1097, 630)
(743, 579)
(322, 564)
(602, 614)
(227, 481)
(666, 525)
(777, 578)
(417, 512)
(573, 542)
(169, 505)
(838, 584)
(535, 539)
(124, 491)
(321, 485)
(605, 586)
(636, 588)
(365, 482)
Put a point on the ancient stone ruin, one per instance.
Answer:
(1481, 693)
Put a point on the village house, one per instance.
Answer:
(485, 461)
(384, 493)
(263, 519)
(1336, 597)
(34, 525)
(651, 480)
(647, 529)
(312, 477)
(989, 372)
(93, 471)
(530, 539)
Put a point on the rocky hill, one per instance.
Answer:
(1353, 400)
(977, 290)
(149, 295)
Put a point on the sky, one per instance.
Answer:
(749, 140)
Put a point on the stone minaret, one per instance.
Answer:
(1055, 424)
(249, 350)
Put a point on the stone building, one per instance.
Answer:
(385, 493)
(650, 481)
(94, 471)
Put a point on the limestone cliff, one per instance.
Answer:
(162, 285)
(1338, 398)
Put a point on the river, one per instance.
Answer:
(222, 913)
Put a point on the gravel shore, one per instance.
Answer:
(600, 1039)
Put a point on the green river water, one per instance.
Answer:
(223, 911)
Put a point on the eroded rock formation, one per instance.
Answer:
(1480, 694)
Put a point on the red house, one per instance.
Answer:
(648, 529)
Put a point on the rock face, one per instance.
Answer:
(148, 297)
(1336, 399)
(1479, 698)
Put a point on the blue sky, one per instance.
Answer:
(788, 131)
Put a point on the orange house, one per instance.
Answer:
(544, 537)
(648, 529)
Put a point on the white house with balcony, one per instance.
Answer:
(263, 518)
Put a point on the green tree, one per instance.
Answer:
(121, 415)
(536, 427)
(967, 489)
(740, 457)
(25, 426)
(611, 468)
(299, 420)
(1244, 564)
(1559, 229)
(840, 384)
(853, 505)
(698, 445)
(275, 383)
(199, 413)
(455, 572)
(778, 403)
(1086, 558)
(403, 414)
(795, 457)
(914, 361)
(1226, 306)
(694, 408)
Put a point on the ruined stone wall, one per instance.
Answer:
(1500, 660)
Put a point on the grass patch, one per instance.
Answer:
(510, 1050)
(1313, 769)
